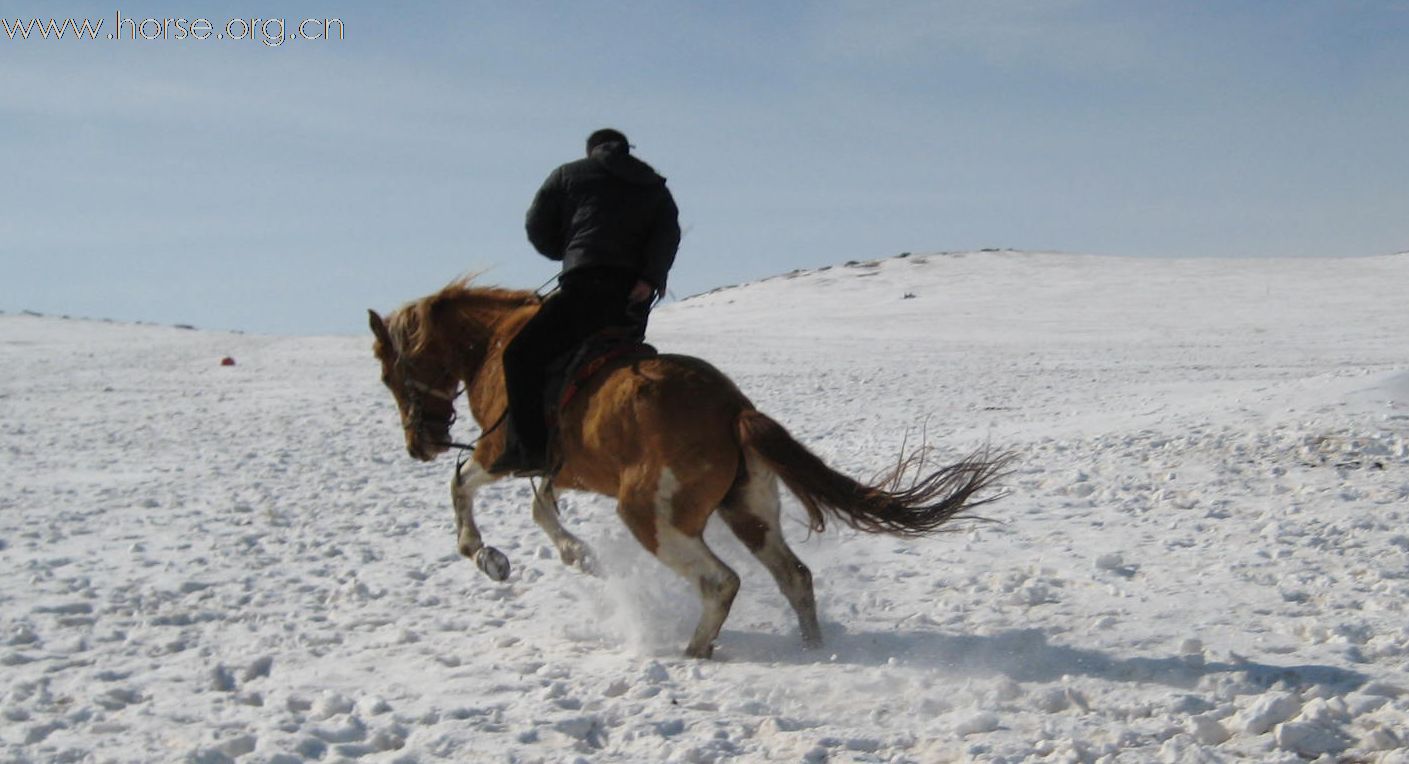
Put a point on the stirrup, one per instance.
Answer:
(511, 463)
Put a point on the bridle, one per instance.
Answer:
(416, 393)
(415, 407)
(416, 417)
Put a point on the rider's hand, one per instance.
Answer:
(642, 292)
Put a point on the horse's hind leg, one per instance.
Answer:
(570, 548)
(656, 522)
(717, 584)
(752, 512)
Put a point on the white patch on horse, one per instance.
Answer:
(468, 479)
(472, 477)
(692, 559)
(672, 545)
(666, 486)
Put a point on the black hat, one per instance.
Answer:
(607, 135)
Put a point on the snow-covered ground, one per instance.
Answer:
(1204, 556)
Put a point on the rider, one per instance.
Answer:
(612, 222)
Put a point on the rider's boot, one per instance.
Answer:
(519, 459)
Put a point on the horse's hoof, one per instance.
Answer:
(700, 653)
(579, 557)
(493, 563)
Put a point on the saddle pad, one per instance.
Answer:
(590, 360)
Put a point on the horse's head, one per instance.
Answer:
(429, 346)
(416, 369)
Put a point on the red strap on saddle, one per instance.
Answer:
(590, 368)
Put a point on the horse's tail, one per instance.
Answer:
(928, 502)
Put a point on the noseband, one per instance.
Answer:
(416, 417)
(415, 403)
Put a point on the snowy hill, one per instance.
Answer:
(1204, 554)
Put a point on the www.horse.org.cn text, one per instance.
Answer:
(271, 32)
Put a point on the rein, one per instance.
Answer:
(542, 295)
(470, 447)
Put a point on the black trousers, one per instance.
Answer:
(586, 302)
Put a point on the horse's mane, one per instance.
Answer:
(411, 324)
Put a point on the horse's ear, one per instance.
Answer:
(379, 327)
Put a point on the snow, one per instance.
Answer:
(1203, 556)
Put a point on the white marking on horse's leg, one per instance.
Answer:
(545, 512)
(691, 558)
(717, 584)
(795, 581)
(760, 500)
(469, 478)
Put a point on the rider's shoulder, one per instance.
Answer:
(580, 168)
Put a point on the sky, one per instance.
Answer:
(233, 184)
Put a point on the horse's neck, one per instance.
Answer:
(487, 334)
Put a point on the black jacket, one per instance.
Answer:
(610, 210)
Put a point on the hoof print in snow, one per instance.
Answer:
(258, 668)
(221, 680)
(1309, 739)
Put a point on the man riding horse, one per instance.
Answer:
(613, 224)
(669, 437)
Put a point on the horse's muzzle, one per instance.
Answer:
(425, 448)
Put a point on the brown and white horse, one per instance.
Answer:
(669, 436)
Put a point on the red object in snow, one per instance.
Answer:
(227, 361)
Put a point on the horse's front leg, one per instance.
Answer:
(570, 548)
(469, 478)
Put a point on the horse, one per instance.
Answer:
(670, 437)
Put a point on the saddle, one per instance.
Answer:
(569, 372)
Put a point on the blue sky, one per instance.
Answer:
(285, 189)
